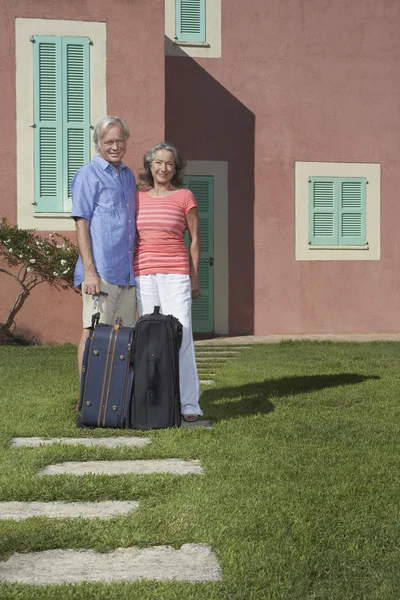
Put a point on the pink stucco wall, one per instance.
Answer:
(135, 90)
(299, 80)
(322, 79)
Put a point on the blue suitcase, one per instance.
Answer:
(107, 377)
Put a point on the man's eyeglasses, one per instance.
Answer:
(110, 143)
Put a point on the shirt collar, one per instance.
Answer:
(104, 163)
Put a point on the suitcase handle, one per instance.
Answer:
(156, 310)
(95, 320)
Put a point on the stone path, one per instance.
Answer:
(18, 511)
(175, 466)
(216, 352)
(210, 357)
(192, 562)
(213, 359)
(108, 442)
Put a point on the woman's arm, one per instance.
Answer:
(192, 220)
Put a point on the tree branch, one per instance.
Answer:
(21, 283)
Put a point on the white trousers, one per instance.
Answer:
(173, 294)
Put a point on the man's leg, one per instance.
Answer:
(81, 349)
(125, 307)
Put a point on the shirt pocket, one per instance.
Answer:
(108, 200)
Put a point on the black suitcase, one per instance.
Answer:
(107, 377)
(156, 398)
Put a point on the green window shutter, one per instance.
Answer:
(76, 123)
(61, 117)
(203, 308)
(352, 211)
(191, 20)
(323, 212)
(47, 124)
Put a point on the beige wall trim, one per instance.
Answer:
(219, 171)
(24, 30)
(213, 46)
(305, 170)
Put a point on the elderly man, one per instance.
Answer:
(103, 206)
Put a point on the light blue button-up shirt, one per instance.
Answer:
(106, 199)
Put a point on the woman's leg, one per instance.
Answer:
(175, 293)
(146, 294)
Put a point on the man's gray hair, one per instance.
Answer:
(101, 127)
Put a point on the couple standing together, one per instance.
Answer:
(131, 243)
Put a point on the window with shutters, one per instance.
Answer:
(193, 28)
(60, 82)
(191, 21)
(337, 211)
(61, 118)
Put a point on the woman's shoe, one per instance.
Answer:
(190, 418)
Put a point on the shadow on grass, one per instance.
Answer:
(253, 398)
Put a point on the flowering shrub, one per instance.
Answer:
(34, 260)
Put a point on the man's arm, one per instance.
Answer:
(192, 220)
(91, 283)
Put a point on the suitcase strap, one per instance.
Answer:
(152, 361)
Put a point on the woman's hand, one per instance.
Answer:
(195, 287)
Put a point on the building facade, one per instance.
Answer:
(288, 115)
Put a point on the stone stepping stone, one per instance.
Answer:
(214, 359)
(174, 466)
(18, 511)
(107, 442)
(191, 562)
(207, 381)
(216, 347)
(227, 353)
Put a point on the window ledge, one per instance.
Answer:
(57, 215)
(366, 247)
(193, 44)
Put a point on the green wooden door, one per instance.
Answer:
(203, 308)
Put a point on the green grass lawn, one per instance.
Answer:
(300, 499)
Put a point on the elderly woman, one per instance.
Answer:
(164, 274)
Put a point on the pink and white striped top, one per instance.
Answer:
(161, 225)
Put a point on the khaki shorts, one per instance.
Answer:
(120, 302)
